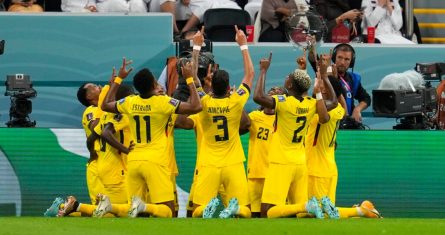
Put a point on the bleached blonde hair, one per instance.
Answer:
(301, 80)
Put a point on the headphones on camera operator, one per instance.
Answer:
(350, 48)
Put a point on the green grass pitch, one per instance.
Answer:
(181, 226)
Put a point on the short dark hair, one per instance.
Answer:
(124, 91)
(144, 81)
(82, 95)
(220, 82)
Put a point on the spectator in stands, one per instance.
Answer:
(339, 15)
(253, 7)
(25, 6)
(183, 13)
(78, 6)
(386, 17)
(168, 6)
(273, 16)
(198, 7)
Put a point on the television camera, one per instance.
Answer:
(414, 107)
(19, 88)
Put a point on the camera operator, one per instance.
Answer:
(343, 58)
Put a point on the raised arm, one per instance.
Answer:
(194, 105)
(198, 40)
(249, 72)
(259, 96)
(329, 95)
(109, 104)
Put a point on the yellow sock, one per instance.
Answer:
(346, 212)
(197, 213)
(285, 210)
(120, 210)
(244, 212)
(158, 210)
(75, 214)
(86, 209)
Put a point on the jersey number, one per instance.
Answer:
(138, 128)
(263, 133)
(297, 138)
(222, 125)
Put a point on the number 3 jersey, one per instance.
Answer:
(292, 119)
(148, 126)
(220, 121)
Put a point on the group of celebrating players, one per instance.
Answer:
(291, 170)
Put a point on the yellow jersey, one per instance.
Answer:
(148, 125)
(260, 131)
(220, 119)
(171, 144)
(89, 114)
(292, 118)
(112, 163)
(320, 144)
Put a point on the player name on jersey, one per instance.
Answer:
(141, 108)
(302, 110)
(218, 110)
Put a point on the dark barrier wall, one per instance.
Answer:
(61, 51)
(401, 171)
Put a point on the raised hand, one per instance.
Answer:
(323, 63)
(265, 62)
(240, 37)
(198, 38)
(301, 61)
(123, 72)
(187, 68)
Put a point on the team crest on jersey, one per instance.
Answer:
(174, 102)
(241, 92)
(89, 116)
(281, 98)
(121, 100)
(117, 117)
(201, 94)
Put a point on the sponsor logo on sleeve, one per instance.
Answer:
(174, 102)
(89, 116)
(121, 100)
(241, 92)
(281, 98)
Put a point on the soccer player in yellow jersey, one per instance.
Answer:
(114, 144)
(221, 155)
(261, 129)
(88, 95)
(287, 173)
(320, 146)
(148, 161)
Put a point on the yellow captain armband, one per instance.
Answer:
(189, 80)
(118, 80)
